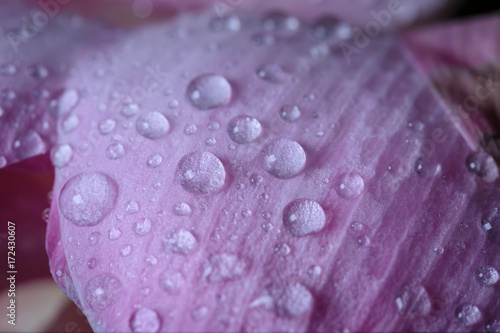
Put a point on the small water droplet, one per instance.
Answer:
(46, 214)
(181, 209)
(272, 73)
(125, 250)
(468, 315)
(244, 129)
(314, 271)
(94, 237)
(256, 179)
(172, 282)
(363, 240)
(8, 69)
(154, 160)
(107, 126)
(70, 123)
(227, 23)
(115, 151)
(302, 217)
(246, 213)
(263, 38)
(210, 142)
(209, 91)
(213, 126)
(224, 267)
(182, 242)
(152, 125)
(87, 198)
(61, 155)
(173, 104)
(130, 110)
(38, 71)
(277, 21)
(482, 165)
(190, 129)
(328, 26)
(487, 275)
(292, 300)
(425, 168)
(289, 113)
(493, 327)
(67, 101)
(199, 313)
(102, 291)
(91, 263)
(28, 144)
(143, 227)
(282, 249)
(201, 173)
(145, 320)
(283, 158)
(132, 207)
(114, 233)
(349, 185)
(413, 301)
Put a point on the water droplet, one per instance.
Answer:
(319, 134)
(94, 237)
(363, 240)
(413, 301)
(190, 129)
(199, 313)
(201, 173)
(210, 142)
(182, 242)
(256, 179)
(46, 214)
(38, 71)
(114, 233)
(487, 275)
(302, 217)
(8, 69)
(132, 207)
(8, 94)
(154, 160)
(493, 327)
(282, 249)
(263, 38)
(125, 250)
(277, 21)
(328, 26)
(181, 209)
(272, 73)
(356, 226)
(425, 168)
(224, 267)
(115, 151)
(213, 126)
(468, 314)
(482, 165)
(143, 227)
(314, 271)
(91, 263)
(283, 158)
(244, 129)
(349, 185)
(152, 125)
(209, 91)
(130, 110)
(246, 213)
(145, 320)
(227, 23)
(87, 198)
(70, 123)
(107, 126)
(173, 104)
(491, 225)
(318, 51)
(28, 144)
(67, 101)
(61, 155)
(102, 291)
(292, 300)
(3, 161)
(289, 113)
(172, 282)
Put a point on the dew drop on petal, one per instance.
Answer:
(115, 151)
(209, 91)
(94, 237)
(145, 320)
(181, 209)
(283, 158)
(125, 250)
(154, 160)
(468, 315)
(67, 101)
(226, 23)
(152, 125)
(272, 73)
(61, 155)
(482, 165)
(172, 282)
(38, 71)
(143, 227)
(87, 198)
(3, 161)
(130, 110)
(91, 263)
(487, 275)
(107, 126)
(244, 129)
(28, 144)
(289, 113)
(256, 179)
(329, 26)
(493, 327)
(70, 123)
(302, 217)
(201, 173)
(182, 242)
(349, 185)
(132, 207)
(102, 291)
(114, 233)
(277, 21)
(190, 129)
(413, 301)
(292, 300)
(224, 267)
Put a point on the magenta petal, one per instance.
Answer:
(256, 181)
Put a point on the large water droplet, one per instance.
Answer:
(87, 198)
(468, 314)
(172, 282)
(283, 158)
(272, 73)
(209, 91)
(67, 101)
(302, 217)
(145, 320)
(143, 227)
(152, 125)
(182, 242)
(413, 301)
(483, 165)
(102, 291)
(244, 129)
(181, 209)
(277, 21)
(349, 185)
(487, 275)
(224, 267)
(61, 155)
(292, 300)
(289, 113)
(107, 126)
(115, 151)
(201, 173)
(28, 144)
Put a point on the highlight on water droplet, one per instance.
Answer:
(349, 185)
(152, 125)
(302, 217)
(87, 198)
(283, 158)
(209, 91)
(244, 129)
(201, 173)
(487, 275)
